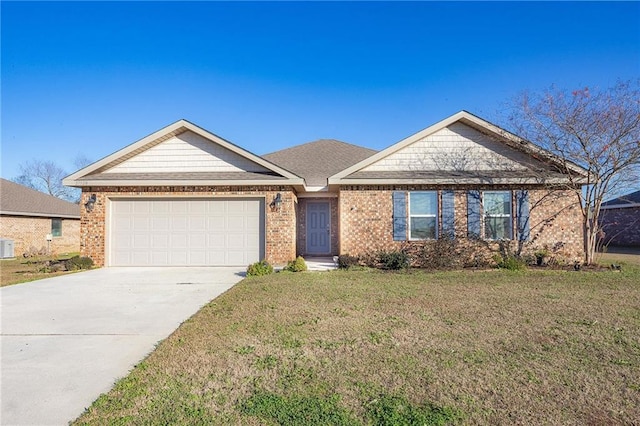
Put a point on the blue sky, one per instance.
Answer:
(90, 78)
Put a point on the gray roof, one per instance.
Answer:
(633, 198)
(16, 199)
(316, 161)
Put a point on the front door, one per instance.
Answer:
(318, 228)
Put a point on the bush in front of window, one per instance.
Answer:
(394, 260)
(510, 262)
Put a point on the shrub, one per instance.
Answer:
(345, 261)
(259, 269)
(393, 260)
(77, 263)
(510, 262)
(397, 410)
(298, 265)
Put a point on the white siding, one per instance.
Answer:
(457, 147)
(186, 152)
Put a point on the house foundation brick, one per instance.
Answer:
(366, 220)
(280, 226)
(30, 233)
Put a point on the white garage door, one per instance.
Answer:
(169, 232)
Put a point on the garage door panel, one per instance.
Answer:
(186, 232)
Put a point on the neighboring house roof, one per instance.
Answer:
(316, 161)
(625, 201)
(182, 154)
(18, 200)
(491, 155)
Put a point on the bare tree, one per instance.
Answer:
(46, 176)
(598, 130)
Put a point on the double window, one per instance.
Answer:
(498, 220)
(423, 215)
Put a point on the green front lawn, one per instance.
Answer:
(470, 347)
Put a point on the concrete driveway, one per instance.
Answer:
(66, 340)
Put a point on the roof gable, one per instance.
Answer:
(316, 161)
(182, 154)
(460, 148)
(19, 200)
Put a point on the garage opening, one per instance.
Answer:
(186, 232)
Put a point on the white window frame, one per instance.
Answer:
(53, 234)
(434, 215)
(485, 215)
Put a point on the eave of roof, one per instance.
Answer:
(19, 200)
(471, 120)
(82, 177)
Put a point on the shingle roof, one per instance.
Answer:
(19, 200)
(316, 161)
(633, 198)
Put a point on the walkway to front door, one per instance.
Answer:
(318, 228)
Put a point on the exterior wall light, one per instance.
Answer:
(276, 204)
(88, 206)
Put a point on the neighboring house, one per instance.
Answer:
(620, 220)
(34, 220)
(184, 196)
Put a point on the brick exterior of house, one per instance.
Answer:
(621, 226)
(29, 233)
(366, 220)
(280, 226)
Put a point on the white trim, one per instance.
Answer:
(177, 127)
(435, 215)
(465, 118)
(39, 215)
(620, 206)
(170, 182)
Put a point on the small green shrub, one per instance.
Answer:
(393, 260)
(77, 263)
(510, 262)
(298, 265)
(259, 269)
(345, 261)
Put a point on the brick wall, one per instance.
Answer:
(302, 224)
(621, 226)
(366, 221)
(28, 232)
(280, 226)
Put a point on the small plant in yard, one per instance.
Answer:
(259, 269)
(77, 263)
(394, 260)
(345, 261)
(397, 410)
(298, 265)
(510, 262)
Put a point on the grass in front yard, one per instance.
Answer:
(20, 270)
(493, 347)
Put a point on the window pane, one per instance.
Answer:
(497, 228)
(56, 227)
(423, 228)
(497, 203)
(423, 203)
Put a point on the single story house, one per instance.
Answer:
(39, 222)
(620, 220)
(184, 196)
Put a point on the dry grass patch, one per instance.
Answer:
(466, 347)
(20, 270)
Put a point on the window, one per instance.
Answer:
(498, 223)
(56, 227)
(423, 215)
